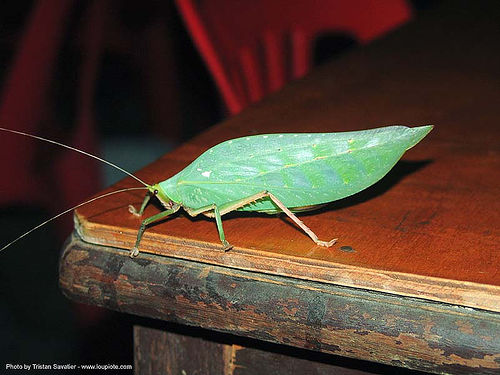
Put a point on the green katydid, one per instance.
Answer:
(274, 173)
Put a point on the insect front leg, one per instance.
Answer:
(135, 250)
(133, 210)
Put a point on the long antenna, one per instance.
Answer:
(77, 150)
(69, 210)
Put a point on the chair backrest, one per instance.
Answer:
(253, 47)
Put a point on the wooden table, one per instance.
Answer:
(420, 288)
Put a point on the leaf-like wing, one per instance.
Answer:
(300, 169)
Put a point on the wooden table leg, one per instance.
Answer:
(159, 351)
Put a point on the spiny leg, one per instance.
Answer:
(297, 221)
(135, 250)
(133, 210)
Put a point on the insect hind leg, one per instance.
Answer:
(299, 222)
(218, 211)
(266, 194)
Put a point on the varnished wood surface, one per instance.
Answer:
(429, 229)
(348, 322)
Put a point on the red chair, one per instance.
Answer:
(25, 105)
(253, 47)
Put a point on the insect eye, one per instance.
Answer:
(155, 192)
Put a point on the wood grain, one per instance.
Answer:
(429, 229)
(348, 322)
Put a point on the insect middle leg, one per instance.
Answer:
(217, 214)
